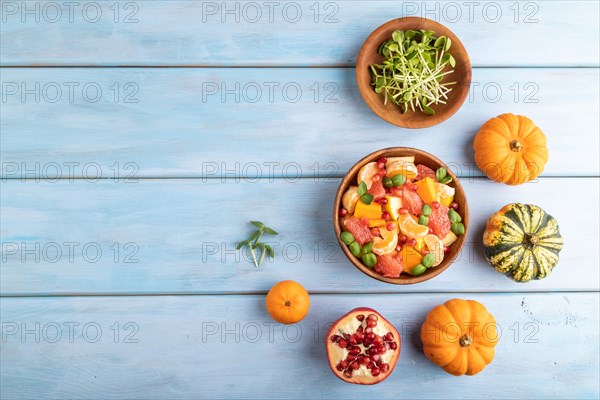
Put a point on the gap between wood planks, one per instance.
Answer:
(312, 293)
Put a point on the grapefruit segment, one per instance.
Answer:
(358, 229)
(389, 265)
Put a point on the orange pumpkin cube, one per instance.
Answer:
(426, 190)
(371, 211)
(410, 258)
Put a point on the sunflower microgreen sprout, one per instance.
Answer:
(412, 73)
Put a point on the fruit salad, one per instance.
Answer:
(401, 217)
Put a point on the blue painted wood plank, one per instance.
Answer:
(264, 122)
(304, 33)
(179, 236)
(228, 347)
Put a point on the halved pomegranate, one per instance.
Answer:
(362, 347)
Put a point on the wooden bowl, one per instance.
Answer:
(390, 112)
(421, 157)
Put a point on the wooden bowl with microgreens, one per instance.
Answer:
(413, 72)
(401, 215)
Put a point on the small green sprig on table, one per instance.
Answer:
(254, 243)
(411, 74)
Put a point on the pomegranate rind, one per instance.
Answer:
(333, 362)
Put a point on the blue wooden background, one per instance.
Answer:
(139, 137)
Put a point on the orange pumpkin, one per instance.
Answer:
(510, 149)
(288, 302)
(459, 336)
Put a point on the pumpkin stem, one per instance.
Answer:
(465, 340)
(287, 303)
(534, 240)
(516, 146)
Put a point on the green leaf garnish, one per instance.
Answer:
(254, 243)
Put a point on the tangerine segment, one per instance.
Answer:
(350, 198)
(367, 172)
(386, 245)
(411, 228)
(436, 247)
(409, 170)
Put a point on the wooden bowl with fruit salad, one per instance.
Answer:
(401, 215)
(413, 72)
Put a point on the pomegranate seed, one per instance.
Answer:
(335, 338)
(348, 373)
(403, 210)
(355, 351)
(339, 367)
(383, 201)
(381, 173)
(414, 187)
(389, 337)
(360, 329)
(373, 317)
(360, 317)
(352, 340)
(381, 350)
(368, 329)
(446, 250)
(390, 226)
(376, 178)
(375, 231)
(424, 251)
(454, 205)
(376, 357)
(344, 364)
(343, 212)
(359, 337)
(378, 341)
(403, 239)
(435, 205)
(349, 358)
(354, 365)
(342, 343)
(399, 247)
(360, 359)
(366, 360)
(382, 160)
(375, 371)
(346, 336)
(411, 242)
(384, 367)
(386, 215)
(369, 336)
(418, 177)
(371, 323)
(381, 165)
(393, 345)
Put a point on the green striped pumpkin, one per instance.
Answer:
(522, 242)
